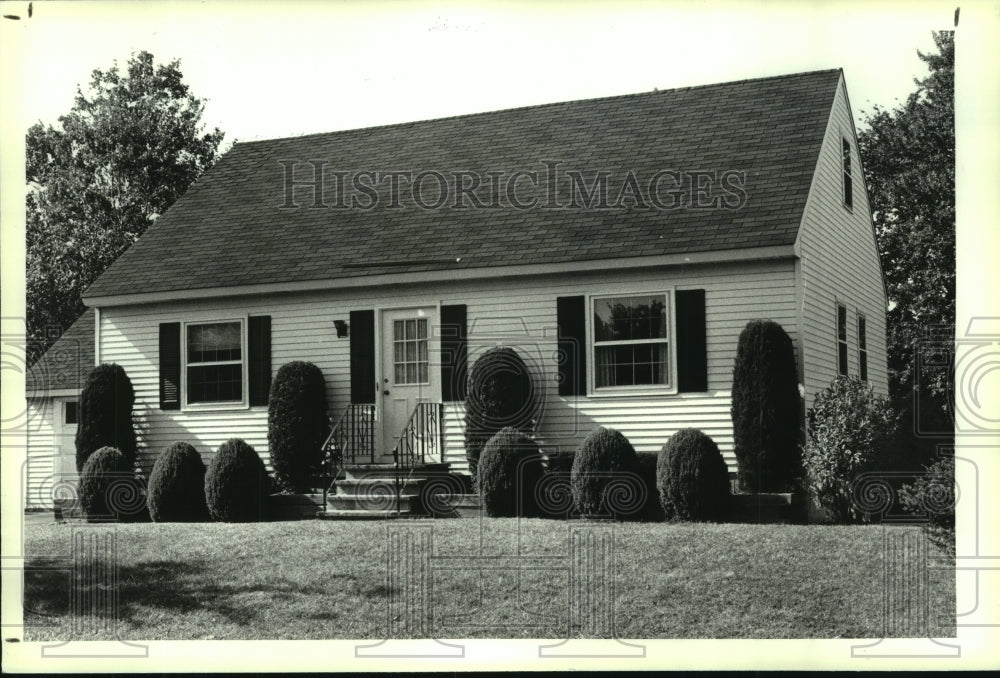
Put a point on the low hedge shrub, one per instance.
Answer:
(692, 478)
(510, 469)
(176, 491)
(109, 489)
(605, 476)
(237, 486)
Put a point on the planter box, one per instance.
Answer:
(295, 506)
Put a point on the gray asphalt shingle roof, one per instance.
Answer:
(229, 228)
(66, 364)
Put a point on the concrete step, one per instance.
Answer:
(361, 514)
(370, 471)
(373, 486)
(407, 502)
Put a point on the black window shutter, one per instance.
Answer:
(259, 348)
(454, 354)
(170, 366)
(362, 333)
(571, 320)
(692, 358)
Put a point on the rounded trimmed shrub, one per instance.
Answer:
(850, 429)
(766, 408)
(109, 489)
(176, 491)
(237, 486)
(106, 414)
(509, 471)
(605, 476)
(692, 477)
(297, 424)
(501, 393)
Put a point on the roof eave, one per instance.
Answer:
(440, 275)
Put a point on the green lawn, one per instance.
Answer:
(320, 579)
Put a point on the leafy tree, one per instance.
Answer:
(909, 162)
(130, 146)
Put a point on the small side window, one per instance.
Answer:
(70, 414)
(862, 348)
(848, 182)
(842, 340)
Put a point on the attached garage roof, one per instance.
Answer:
(66, 364)
(230, 228)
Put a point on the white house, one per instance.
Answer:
(619, 244)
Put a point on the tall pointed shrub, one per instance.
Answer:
(766, 408)
(106, 414)
(297, 424)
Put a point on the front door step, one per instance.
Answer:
(371, 491)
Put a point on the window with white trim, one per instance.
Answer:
(862, 348)
(630, 337)
(842, 340)
(214, 362)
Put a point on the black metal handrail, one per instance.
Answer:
(351, 440)
(421, 435)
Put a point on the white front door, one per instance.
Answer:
(410, 369)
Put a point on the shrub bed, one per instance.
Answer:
(500, 394)
(766, 408)
(177, 486)
(237, 486)
(692, 478)
(106, 414)
(509, 471)
(605, 476)
(297, 424)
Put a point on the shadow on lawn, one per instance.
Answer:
(165, 585)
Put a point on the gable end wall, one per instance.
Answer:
(839, 262)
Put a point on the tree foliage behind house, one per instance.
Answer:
(130, 146)
(909, 166)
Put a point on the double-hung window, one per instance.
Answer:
(631, 341)
(214, 362)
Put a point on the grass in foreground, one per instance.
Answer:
(316, 579)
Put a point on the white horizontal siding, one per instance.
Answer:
(839, 263)
(41, 453)
(519, 313)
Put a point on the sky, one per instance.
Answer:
(281, 69)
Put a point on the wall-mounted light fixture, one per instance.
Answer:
(342, 328)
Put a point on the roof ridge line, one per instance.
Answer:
(534, 106)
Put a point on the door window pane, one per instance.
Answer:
(410, 351)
